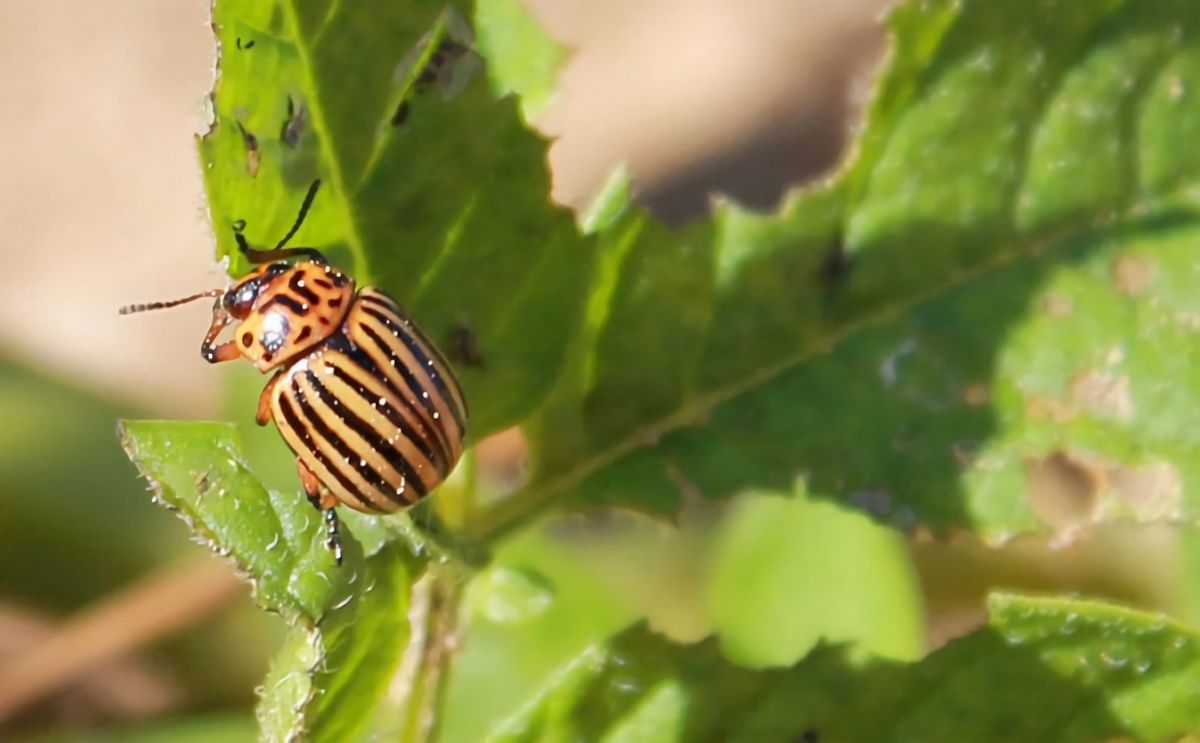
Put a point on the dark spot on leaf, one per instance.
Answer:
(449, 67)
(1065, 488)
(976, 394)
(239, 225)
(809, 735)
(464, 347)
(248, 45)
(202, 485)
(1132, 274)
(835, 267)
(293, 124)
(401, 114)
(251, 143)
(876, 502)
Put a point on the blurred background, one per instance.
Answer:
(112, 624)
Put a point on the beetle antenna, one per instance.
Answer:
(304, 207)
(130, 309)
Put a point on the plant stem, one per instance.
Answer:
(425, 668)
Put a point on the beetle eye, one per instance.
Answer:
(240, 298)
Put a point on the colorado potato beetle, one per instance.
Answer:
(365, 401)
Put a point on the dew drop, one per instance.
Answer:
(1113, 659)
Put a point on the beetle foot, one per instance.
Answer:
(333, 535)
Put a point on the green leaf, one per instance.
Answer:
(228, 728)
(526, 638)
(277, 539)
(998, 282)
(1045, 669)
(789, 572)
(434, 193)
(350, 622)
(325, 681)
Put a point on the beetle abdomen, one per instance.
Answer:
(375, 412)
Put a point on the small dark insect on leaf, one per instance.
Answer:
(808, 736)
(836, 265)
(441, 66)
(293, 125)
(464, 347)
(401, 114)
(248, 45)
(253, 160)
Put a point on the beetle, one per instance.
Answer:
(367, 404)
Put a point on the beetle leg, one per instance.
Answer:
(324, 503)
(227, 351)
(262, 416)
(333, 534)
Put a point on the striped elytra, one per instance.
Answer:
(374, 411)
(371, 409)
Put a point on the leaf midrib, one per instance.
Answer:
(529, 502)
(316, 110)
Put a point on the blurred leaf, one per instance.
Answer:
(225, 728)
(789, 572)
(350, 621)
(522, 59)
(436, 194)
(64, 489)
(1045, 669)
(502, 663)
(505, 595)
(960, 306)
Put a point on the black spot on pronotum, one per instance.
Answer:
(283, 299)
(401, 114)
(293, 125)
(297, 285)
(304, 333)
(247, 339)
(335, 302)
(464, 347)
(248, 45)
